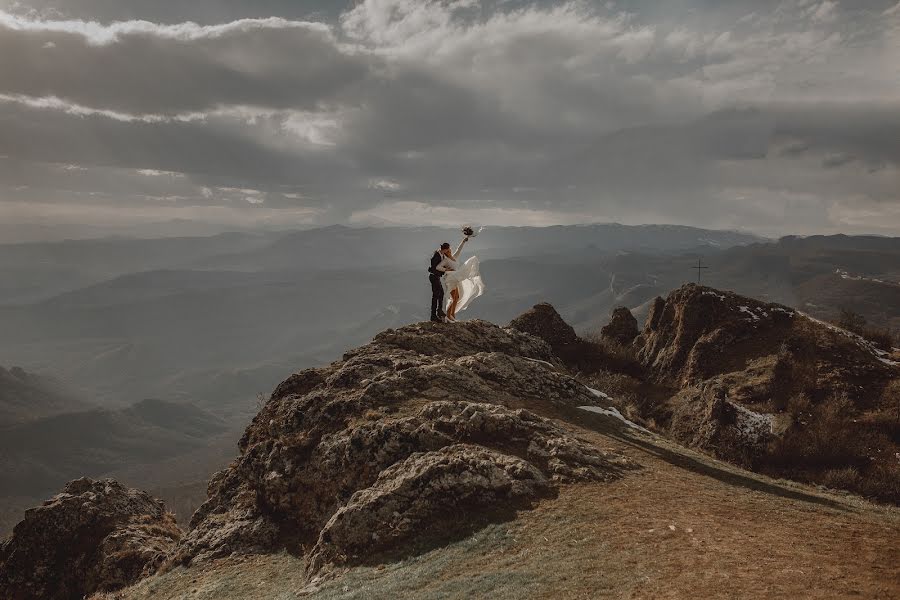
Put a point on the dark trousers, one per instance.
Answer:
(437, 296)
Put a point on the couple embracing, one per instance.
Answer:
(454, 285)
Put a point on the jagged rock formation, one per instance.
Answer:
(699, 333)
(417, 436)
(94, 536)
(760, 384)
(686, 332)
(622, 327)
(578, 355)
(544, 322)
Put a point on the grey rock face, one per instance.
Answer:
(94, 536)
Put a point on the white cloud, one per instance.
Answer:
(158, 173)
(100, 34)
(56, 103)
(385, 185)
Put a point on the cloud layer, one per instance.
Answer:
(774, 116)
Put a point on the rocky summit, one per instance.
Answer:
(94, 536)
(773, 389)
(408, 441)
(472, 460)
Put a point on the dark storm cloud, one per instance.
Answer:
(170, 70)
(772, 114)
(869, 131)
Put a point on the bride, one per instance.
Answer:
(462, 281)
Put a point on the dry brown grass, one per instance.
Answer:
(603, 354)
(833, 445)
(684, 526)
(852, 321)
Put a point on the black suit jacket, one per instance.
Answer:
(436, 259)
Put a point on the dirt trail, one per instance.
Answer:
(684, 526)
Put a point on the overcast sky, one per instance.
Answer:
(776, 116)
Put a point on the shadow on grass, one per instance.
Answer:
(611, 427)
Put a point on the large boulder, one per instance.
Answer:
(622, 327)
(430, 428)
(426, 497)
(544, 322)
(96, 536)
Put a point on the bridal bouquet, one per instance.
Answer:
(469, 232)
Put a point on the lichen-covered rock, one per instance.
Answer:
(94, 536)
(622, 327)
(438, 411)
(426, 497)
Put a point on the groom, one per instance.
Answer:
(437, 288)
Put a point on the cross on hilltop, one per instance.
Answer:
(700, 266)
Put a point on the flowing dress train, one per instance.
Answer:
(467, 279)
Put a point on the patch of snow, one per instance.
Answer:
(709, 293)
(746, 309)
(612, 412)
(753, 426)
(845, 275)
(543, 362)
(860, 341)
(598, 393)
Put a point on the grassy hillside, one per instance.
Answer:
(684, 526)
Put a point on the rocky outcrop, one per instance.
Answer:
(544, 322)
(435, 492)
(622, 327)
(420, 435)
(704, 417)
(94, 536)
(685, 333)
(771, 389)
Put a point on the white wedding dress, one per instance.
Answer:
(465, 277)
